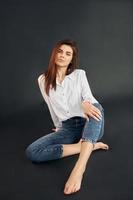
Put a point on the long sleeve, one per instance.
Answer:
(86, 91)
(41, 80)
(65, 101)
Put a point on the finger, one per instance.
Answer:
(97, 115)
(96, 118)
(86, 116)
(95, 108)
(97, 111)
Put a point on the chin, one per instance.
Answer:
(62, 66)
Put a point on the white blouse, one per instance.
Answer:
(65, 101)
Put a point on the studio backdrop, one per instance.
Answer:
(103, 31)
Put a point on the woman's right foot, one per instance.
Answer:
(100, 145)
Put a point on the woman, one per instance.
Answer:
(77, 115)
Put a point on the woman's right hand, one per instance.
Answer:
(55, 129)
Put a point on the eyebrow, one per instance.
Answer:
(66, 51)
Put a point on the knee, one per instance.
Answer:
(31, 154)
(99, 106)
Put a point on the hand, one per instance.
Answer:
(55, 129)
(91, 111)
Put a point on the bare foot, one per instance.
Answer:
(74, 182)
(97, 145)
(100, 145)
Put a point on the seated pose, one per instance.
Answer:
(78, 117)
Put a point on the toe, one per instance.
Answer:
(70, 190)
(76, 189)
(67, 190)
(106, 147)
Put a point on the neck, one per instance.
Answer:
(61, 72)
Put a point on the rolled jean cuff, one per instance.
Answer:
(88, 140)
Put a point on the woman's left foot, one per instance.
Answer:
(74, 182)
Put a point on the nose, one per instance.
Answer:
(62, 55)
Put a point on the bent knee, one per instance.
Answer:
(31, 154)
(99, 106)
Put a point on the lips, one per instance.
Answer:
(60, 60)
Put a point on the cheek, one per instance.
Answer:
(56, 57)
(69, 60)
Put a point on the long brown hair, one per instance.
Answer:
(50, 73)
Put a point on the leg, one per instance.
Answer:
(74, 182)
(90, 136)
(49, 147)
(71, 149)
(44, 149)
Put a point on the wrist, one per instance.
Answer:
(86, 101)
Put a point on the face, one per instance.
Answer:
(64, 56)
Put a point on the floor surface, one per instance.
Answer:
(108, 175)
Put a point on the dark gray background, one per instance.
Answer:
(104, 33)
(29, 30)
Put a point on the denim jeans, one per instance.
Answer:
(50, 146)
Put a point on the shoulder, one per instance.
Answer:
(79, 72)
(41, 78)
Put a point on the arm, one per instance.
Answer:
(85, 88)
(41, 81)
(87, 98)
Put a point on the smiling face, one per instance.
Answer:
(64, 56)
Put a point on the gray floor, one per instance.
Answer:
(108, 175)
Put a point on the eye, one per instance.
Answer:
(68, 54)
(59, 50)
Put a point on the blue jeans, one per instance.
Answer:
(50, 147)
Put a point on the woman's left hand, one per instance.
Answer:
(91, 111)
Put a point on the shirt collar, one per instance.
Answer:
(69, 76)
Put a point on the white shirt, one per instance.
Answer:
(65, 101)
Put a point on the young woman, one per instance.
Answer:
(77, 115)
